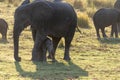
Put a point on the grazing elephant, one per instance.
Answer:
(3, 29)
(105, 17)
(46, 45)
(56, 20)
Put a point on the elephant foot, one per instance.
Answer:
(18, 59)
(105, 36)
(4, 40)
(116, 37)
(54, 60)
(67, 58)
(43, 60)
(49, 57)
(98, 38)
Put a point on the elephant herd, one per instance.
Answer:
(105, 17)
(50, 21)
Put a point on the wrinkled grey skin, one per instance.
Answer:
(105, 17)
(56, 20)
(3, 29)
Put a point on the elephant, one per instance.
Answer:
(46, 45)
(55, 20)
(117, 6)
(3, 29)
(105, 17)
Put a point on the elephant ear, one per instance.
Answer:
(42, 11)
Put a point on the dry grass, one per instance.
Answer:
(103, 3)
(92, 59)
(83, 20)
(80, 4)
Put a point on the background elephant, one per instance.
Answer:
(3, 29)
(117, 6)
(105, 17)
(56, 20)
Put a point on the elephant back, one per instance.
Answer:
(105, 17)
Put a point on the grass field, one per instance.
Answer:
(91, 59)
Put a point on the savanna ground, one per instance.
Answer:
(91, 59)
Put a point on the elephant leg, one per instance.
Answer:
(33, 34)
(40, 55)
(118, 27)
(67, 47)
(103, 32)
(112, 30)
(42, 52)
(4, 35)
(38, 42)
(116, 30)
(44, 55)
(55, 44)
(97, 31)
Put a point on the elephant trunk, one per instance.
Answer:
(16, 34)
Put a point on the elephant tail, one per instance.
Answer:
(78, 29)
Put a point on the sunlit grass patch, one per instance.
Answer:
(103, 3)
(91, 12)
(80, 4)
(83, 20)
(91, 59)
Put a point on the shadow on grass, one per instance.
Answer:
(53, 71)
(109, 40)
